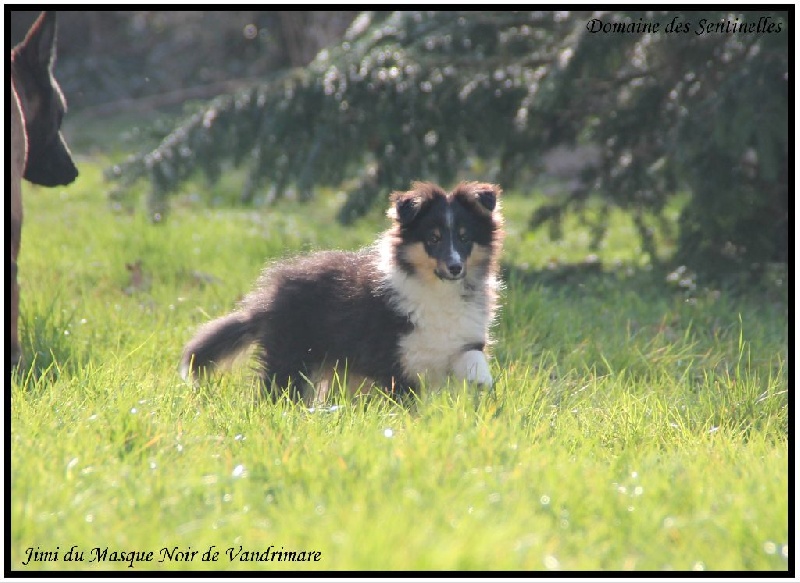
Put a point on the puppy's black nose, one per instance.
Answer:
(455, 269)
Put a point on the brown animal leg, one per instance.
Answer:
(15, 352)
(19, 150)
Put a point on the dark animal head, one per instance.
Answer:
(49, 161)
(447, 235)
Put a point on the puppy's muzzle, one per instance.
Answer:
(451, 269)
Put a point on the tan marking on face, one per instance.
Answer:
(479, 257)
(424, 264)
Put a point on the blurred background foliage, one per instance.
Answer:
(117, 61)
(367, 102)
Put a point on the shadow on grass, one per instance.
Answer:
(591, 279)
(767, 283)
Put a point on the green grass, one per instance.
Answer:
(634, 425)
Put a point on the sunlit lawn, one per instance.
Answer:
(634, 424)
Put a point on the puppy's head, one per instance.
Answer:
(446, 236)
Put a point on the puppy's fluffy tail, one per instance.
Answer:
(216, 342)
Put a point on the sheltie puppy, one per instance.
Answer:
(416, 305)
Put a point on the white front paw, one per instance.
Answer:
(472, 367)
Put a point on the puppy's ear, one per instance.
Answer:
(488, 198)
(405, 206)
(483, 195)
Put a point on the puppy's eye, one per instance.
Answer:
(434, 238)
(463, 237)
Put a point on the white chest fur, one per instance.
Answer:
(445, 322)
